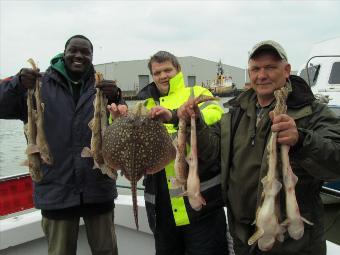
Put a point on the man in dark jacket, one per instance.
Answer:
(178, 228)
(310, 129)
(70, 187)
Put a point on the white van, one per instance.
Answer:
(322, 72)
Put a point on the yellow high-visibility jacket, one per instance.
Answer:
(211, 112)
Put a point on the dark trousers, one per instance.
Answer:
(205, 237)
(62, 235)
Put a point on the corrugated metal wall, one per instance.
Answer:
(132, 75)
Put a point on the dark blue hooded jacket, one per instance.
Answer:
(71, 180)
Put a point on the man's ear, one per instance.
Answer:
(287, 70)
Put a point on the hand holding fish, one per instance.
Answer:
(117, 110)
(28, 77)
(188, 110)
(110, 90)
(286, 128)
(160, 113)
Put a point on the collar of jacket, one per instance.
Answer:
(151, 90)
(299, 95)
(176, 83)
(148, 91)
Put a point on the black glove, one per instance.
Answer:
(111, 91)
(28, 77)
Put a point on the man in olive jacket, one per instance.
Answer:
(310, 129)
(70, 187)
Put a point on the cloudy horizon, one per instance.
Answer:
(132, 30)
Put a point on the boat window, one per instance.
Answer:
(313, 73)
(334, 77)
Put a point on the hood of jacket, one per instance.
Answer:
(58, 64)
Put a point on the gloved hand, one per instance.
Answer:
(28, 77)
(111, 91)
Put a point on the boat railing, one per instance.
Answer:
(16, 193)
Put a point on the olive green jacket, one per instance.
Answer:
(315, 158)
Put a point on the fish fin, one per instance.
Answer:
(277, 186)
(175, 143)
(202, 200)
(256, 236)
(175, 183)
(86, 153)
(95, 165)
(184, 194)
(271, 188)
(91, 124)
(32, 148)
(280, 237)
(188, 158)
(34, 118)
(47, 159)
(294, 178)
(112, 174)
(264, 180)
(197, 202)
(307, 221)
(285, 223)
(24, 163)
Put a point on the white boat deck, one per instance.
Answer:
(22, 234)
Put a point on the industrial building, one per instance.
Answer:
(131, 76)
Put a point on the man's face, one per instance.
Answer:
(78, 56)
(161, 74)
(267, 73)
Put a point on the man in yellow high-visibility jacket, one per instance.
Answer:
(178, 229)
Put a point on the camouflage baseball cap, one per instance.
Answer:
(269, 45)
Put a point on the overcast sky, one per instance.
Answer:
(130, 30)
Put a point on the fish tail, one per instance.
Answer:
(134, 202)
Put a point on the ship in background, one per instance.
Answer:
(222, 85)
